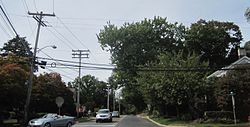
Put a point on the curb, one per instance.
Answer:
(162, 125)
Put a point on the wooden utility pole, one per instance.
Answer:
(38, 17)
(79, 54)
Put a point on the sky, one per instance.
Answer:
(78, 22)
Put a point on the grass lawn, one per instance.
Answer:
(172, 121)
(10, 123)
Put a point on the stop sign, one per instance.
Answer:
(59, 101)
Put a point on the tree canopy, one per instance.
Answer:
(93, 93)
(145, 51)
(216, 42)
(18, 46)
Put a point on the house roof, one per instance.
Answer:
(224, 70)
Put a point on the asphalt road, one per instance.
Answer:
(134, 121)
(124, 121)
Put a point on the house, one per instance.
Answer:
(224, 70)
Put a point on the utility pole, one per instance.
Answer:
(108, 97)
(114, 100)
(79, 54)
(38, 17)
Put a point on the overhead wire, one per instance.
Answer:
(155, 69)
(25, 5)
(67, 61)
(56, 61)
(34, 2)
(72, 33)
(61, 74)
(69, 44)
(75, 36)
(4, 30)
(5, 14)
(6, 23)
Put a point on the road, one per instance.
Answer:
(124, 121)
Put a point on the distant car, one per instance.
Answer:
(115, 114)
(103, 115)
(52, 120)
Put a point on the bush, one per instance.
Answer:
(155, 114)
(186, 117)
(218, 116)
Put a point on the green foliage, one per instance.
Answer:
(46, 88)
(93, 93)
(12, 86)
(13, 77)
(237, 81)
(218, 115)
(216, 42)
(178, 88)
(247, 48)
(139, 43)
(18, 46)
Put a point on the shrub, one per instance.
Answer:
(186, 117)
(155, 114)
(218, 116)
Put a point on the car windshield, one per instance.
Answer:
(103, 111)
(48, 116)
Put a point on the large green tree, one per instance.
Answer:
(139, 43)
(216, 42)
(176, 81)
(93, 93)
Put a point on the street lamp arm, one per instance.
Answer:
(52, 46)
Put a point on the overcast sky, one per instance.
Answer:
(77, 23)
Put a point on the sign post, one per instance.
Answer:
(59, 102)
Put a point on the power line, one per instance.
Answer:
(25, 5)
(75, 36)
(6, 24)
(76, 62)
(64, 42)
(56, 61)
(60, 74)
(5, 31)
(34, 2)
(72, 33)
(8, 20)
(67, 40)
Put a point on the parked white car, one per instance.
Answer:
(115, 114)
(103, 115)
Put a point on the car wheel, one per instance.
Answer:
(47, 125)
(96, 121)
(69, 124)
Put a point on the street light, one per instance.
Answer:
(52, 46)
(233, 103)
